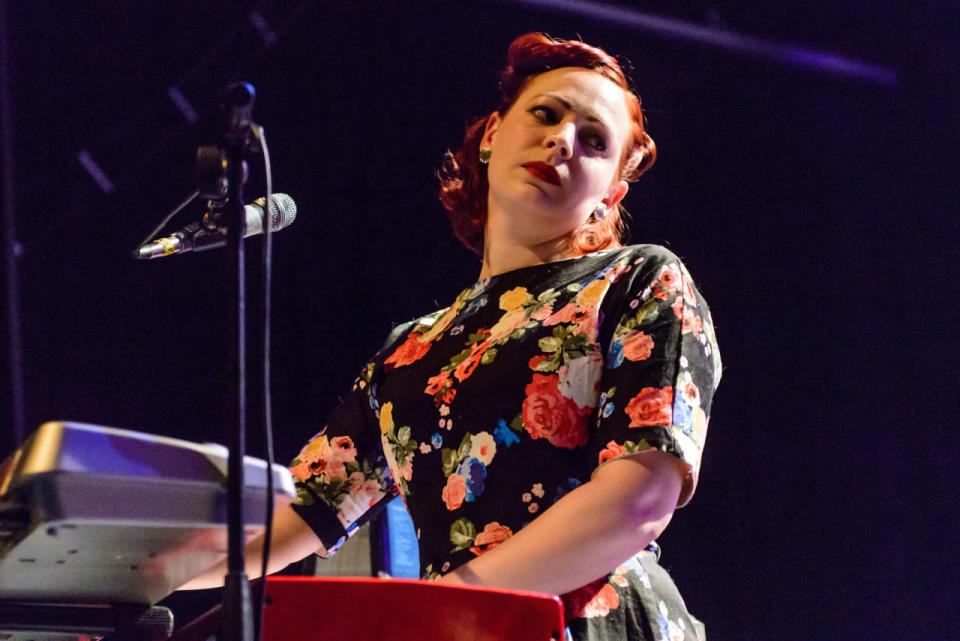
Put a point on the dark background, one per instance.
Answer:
(814, 209)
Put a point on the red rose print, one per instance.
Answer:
(637, 346)
(548, 414)
(691, 393)
(342, 450)
(652, 406)
(410, 351)
(574, 602)
(611, 451)
(493, 535)
(668, 281)
(670, 277)
(600, 605)
(536, 360)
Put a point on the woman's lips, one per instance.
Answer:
(543, 171)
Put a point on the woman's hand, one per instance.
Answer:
(587, 533)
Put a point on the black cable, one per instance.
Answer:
(163, 223)
(267, 258)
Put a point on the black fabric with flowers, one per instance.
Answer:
(483, 414)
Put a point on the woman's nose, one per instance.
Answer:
(561, 140)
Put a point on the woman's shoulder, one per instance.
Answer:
(402, 329)
(647, 250)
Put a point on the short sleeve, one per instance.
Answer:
(341, 474)
(661, 367)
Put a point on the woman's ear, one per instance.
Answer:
(493, 123)
(616, 193)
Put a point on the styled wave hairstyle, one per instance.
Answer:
(463, 179)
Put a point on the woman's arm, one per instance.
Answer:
(587, 533)
(292, 540)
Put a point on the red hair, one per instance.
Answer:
(463, 179)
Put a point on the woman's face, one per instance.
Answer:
(556, 153)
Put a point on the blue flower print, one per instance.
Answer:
(475, 473)
(503, 435)
(474, 306)
(436, 441)
(615, 357)
(681, 415)
(608, 410)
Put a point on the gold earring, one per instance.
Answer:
(485, 154)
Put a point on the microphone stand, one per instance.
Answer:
(237, 624)
(237, 619)
(221, 172)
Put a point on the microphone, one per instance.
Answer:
(207, 235)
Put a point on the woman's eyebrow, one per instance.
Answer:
(567, 104)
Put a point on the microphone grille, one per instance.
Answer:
(283, 211)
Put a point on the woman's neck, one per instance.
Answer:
(502, 255)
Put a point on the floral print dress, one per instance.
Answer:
(483, 414)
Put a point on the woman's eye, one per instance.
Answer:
(546, 114)
(597, 142)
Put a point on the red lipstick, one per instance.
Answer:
(543, 171)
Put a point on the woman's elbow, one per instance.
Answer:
(650, 484)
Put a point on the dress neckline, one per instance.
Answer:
(554, 264)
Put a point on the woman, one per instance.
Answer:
(543, 428)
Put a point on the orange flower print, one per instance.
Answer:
(454, 491)
(600, 605)
(543, 314)
(514, 298)
(493, 535)
(301, 471)
(466, 367)
(592, 294)
(548, 414)
(439, 387)
(611, 451)
(652, 406)
(637, 346)
(569, 313)
(409, 351)
(437, 383)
